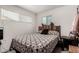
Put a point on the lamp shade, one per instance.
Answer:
(75, 25)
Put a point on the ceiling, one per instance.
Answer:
(39, 8)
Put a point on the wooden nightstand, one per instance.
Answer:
(67, 40)
(73, 49)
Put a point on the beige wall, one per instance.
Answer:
(62, 16)
(11, 29)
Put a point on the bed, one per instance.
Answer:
(35, 42)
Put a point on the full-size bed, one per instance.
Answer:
(35, 42)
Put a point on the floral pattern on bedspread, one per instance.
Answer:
(36, 43)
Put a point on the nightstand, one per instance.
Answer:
(73, 49)
(67, 40)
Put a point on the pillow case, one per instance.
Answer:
(40, 31)
(53, 32)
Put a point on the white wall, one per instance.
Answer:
(11, 29)
(62, 16)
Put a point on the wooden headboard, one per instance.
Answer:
(51, 27)
(58, 29)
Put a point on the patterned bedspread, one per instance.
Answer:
(35, 42)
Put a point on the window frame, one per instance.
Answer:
(47, 22)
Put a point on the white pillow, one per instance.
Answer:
(40, 31)
(53, 32)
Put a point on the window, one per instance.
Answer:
(6, 14)
(46, 20)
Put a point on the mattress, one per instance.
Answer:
(35, 42)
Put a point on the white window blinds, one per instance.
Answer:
(6, 14)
